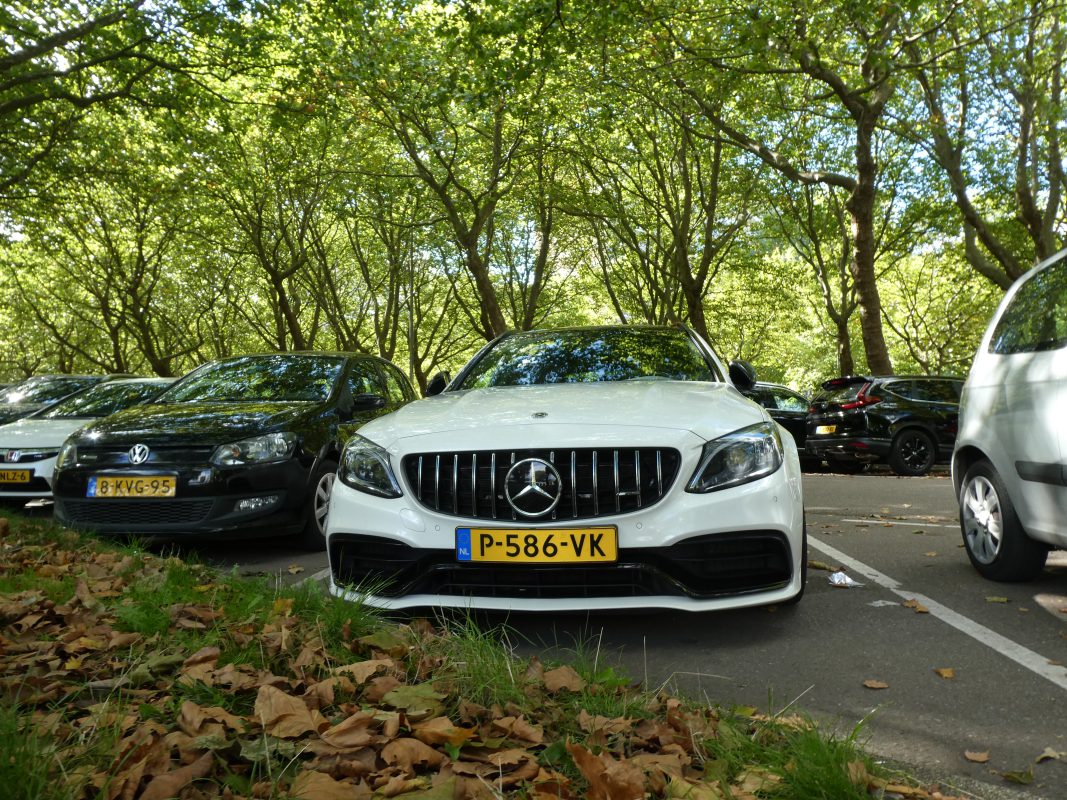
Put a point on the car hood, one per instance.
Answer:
(38, 433)
(576, 414)
(191, 423)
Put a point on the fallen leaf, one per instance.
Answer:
(608, 779)
(285, 716)
(412, 756)
(931, 554)
(872, 684)
(995, 599)
(295, 569)
(918, 607)
(976, 757)
(948, 673)
(363, 670)
(169, 784)
(563, 678)
(1050, 755)
(418, 702)
(1024, 777)
(311, 785)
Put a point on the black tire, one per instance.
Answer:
(313, 535)
(995, 541)
(913, 453)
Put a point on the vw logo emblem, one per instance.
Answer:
(532, 487)
(139, 453)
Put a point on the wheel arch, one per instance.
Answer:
(962, 460)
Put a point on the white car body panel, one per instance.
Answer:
(660, 413)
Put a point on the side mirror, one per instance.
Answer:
(437, 383)
(367, 402)
(742, 374)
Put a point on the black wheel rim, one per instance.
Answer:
(915, 452)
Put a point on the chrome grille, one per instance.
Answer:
(596, 482)
(120, 456)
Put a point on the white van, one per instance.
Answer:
(1009, 466)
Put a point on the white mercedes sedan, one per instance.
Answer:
(580, 469)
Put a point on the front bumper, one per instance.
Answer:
(39, 484)
(856, 449)
(205, 504)
(733, 548)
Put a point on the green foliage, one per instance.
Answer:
(184, 180)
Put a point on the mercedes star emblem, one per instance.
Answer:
(532, 487)
(139, 453)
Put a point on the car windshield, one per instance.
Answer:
(590, 355)
(45, 391)
(281, 378)
(103, 399)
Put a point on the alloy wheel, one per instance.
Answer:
(983, 519)
(321, 507)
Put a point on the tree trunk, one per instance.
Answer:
(861, 209)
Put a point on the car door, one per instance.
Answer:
(362, 382)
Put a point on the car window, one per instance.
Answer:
(1036, 316)
(937, 391)
(589, 356)
(47, 391)
(103, 399)
(397, 388)
(363, 379)
(281, 377)
(787, 401)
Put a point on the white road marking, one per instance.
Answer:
(1035, 662)
(912, 523)
(321, 575)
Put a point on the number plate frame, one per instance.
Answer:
(127, 486)
(16, 475)
(593, 545)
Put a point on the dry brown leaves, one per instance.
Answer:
(373, 727)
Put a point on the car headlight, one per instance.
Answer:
(739, 457)
(68, 455)
(257, 450)
(365, 466)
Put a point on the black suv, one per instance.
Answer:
(243, 446)
(908, 421)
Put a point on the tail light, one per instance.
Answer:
(862, 399)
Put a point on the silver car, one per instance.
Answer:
(1009, 466)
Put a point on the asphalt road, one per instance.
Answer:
(1002, 689)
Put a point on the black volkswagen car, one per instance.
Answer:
(244, 446)
(908, 421)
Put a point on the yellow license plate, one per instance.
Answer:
(826, 429)
(135, 486)
(540, 546)
(15, 475)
